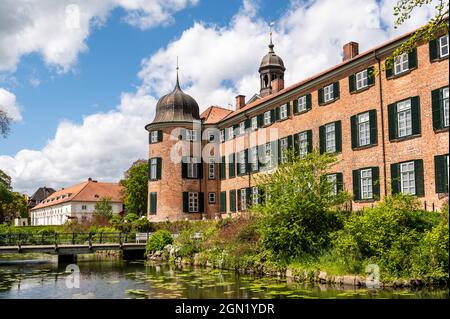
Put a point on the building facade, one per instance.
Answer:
(76, 202)
(387, 122)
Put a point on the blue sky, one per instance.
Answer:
(83, 97)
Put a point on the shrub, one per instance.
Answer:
(158, 241)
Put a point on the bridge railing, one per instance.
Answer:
(74, 238)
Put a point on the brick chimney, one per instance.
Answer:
(277, 85)
(240, 102)
(351, 50)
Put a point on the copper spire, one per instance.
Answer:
(270, 33)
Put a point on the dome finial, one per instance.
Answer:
(270, 34)
(178, 82)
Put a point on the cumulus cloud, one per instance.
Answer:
(9, 105)
(217, 63)
(57, 30)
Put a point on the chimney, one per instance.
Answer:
(89, 179)
(351, 50)
(240, 102)
(277, 85)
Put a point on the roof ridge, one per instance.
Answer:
(78, 193)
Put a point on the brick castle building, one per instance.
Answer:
(389, 127)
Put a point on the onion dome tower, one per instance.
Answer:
(271, 68)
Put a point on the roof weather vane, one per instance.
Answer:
(271, 24)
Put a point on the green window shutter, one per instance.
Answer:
(389, 65)
(185, 202)
(412, 59)
(200, 170)
(418, 172)
(434, 53)
(231, 166)
(310, 142)
(295, 102)
(288, 105)
(308, 101)
(392, 119)
(441, 173)
(223, 202)
(356, 183)
(160, 136)
(248, 196)
(184, 167)
(153, 203)
(273, 115)
(158, 167)
(373, 127)
(201, 202)
(150, 138)
(322, 141)
(277, 114)
(338, 136)
(247, 124)
(436, 102)
(290, 144)
(352, 83)
(236, 131)
(320, 96)
(336, 90)
(296, 144)
(149, 168)
(395, 178)
(340, 182)
(279, 150)
(233, 200)
(415, 114)
(275, 156)
(222, 168)
(247, 166)
(239, 203)
(371, 76)
(260, 120)
(354, 131)
(376, 182)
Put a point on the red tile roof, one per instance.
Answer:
(89, 191)
(214, 114)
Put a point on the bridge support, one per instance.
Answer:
(67, 259)
(132, 254)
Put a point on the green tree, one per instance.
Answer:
(298, 211)
(6, 195)
(103, 209)
(135, 186)
(5, 123)
(437, 24)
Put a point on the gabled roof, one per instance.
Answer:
(89, 191)
(214, 114)
(40, 194)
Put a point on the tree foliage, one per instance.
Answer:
(5, 123)
(103, 209)
(135, 185)
(298, 211)
(12, 204)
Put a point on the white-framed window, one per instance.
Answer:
(212, 198)
(328, 93)
(283, 148)
(443, 46)
(404, 118)
(154, 136)
(254, 123)
(302, 103)
(211, 168)
(361, 80)
(332, 178)
(366, 184)
(255, 195)
(193, 202)
(254, 158)
(222, 136)
(364, 129)
(191, 135)
(83, 207)
(401, 64)
(242, 128)
(283, 112)
(330, 138)
(267, 118)
(408, 179)
(192, 169)
(268, 151)
(303, 143)
(241, 162)
(153, 168)
(445, 106)
(230, 133)
(243, 199)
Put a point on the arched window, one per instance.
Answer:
(266, 81)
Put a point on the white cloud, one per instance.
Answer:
(58, 29)
(9, 104)
(309, 37)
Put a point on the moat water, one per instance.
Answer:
(106, 279)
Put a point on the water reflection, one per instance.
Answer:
(121, 279)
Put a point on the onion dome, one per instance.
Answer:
(176, 106)
(271, 60)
